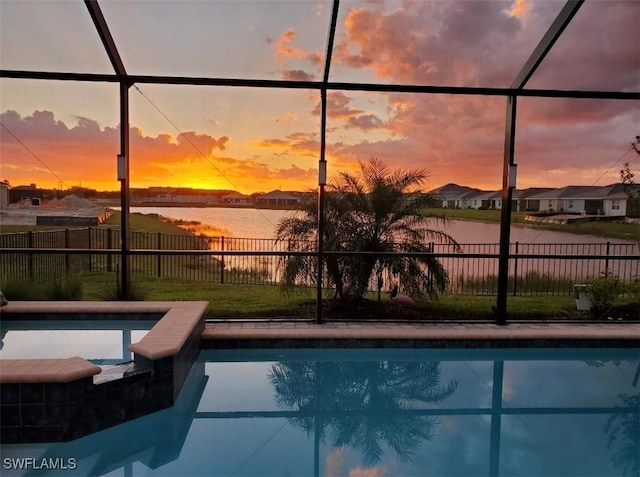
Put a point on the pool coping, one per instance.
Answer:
(164, 339)
(232, 334)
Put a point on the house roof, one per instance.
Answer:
(532, 191)
(453, 191)
(487, 195)
(278, 194)
(234, 195)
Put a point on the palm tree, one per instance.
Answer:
(378, 211)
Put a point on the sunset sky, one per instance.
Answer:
(63, 134)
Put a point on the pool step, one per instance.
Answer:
(118, 371)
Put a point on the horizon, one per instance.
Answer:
(252, 139)
(291, 191)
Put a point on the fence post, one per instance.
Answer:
(606, 262)
(30, 244)
(90, 246)
(222, 264)
(158, 246)
(66, 245)
(109, 246)
(515, 271)
(432, 249)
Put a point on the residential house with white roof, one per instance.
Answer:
(453, 196)
(611, 200)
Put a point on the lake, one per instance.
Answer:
(474, 237)
(261, 223)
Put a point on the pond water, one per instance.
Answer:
(261, 223)
(102, 342)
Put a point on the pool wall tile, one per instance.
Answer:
(32, 393)
(10, 415)
(32, 415)
(10, 394)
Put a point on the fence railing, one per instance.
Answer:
(534, 268)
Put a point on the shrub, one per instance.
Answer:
(67, 289)
(632, 289)
(113, 292)
(603, 291)
(22, 290)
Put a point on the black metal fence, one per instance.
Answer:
(43, 257)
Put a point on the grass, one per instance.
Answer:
(234, 301)
(146, 223)
(264, 301)
(225, 300)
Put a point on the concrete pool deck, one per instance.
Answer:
(604, 330)
(441, 334)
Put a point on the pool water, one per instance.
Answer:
(101, 342)
(374, 413)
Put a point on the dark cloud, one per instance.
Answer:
(343, 115)
(365, 122)
(297, 75)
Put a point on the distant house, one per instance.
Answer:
(611, 200)
(571, 200)
(277, 198)
(488, 200)
(526, 200)
(29, 195)
(234, 198)
(615, 200)
(4, 195)
(453, 196)
(608, 200)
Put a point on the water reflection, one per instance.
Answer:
(623, 430)
(361, 404)
(506, 413)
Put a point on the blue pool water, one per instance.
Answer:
(374, 413)
(102, 342)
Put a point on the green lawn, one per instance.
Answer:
(269, 301)
(237, 301)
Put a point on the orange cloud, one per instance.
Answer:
(295, 144)
(285, 50)
(520, 8)
(86, 154)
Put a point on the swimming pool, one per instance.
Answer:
(104, 342)
(373, 413)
